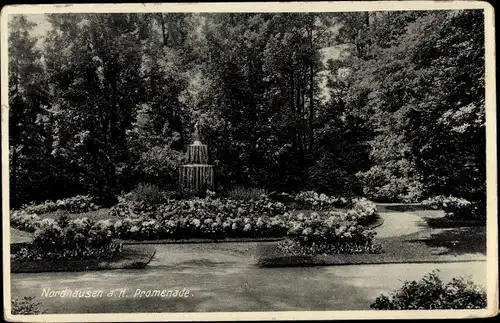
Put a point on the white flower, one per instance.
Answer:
(307, 231)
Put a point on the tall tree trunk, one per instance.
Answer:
(298, 116)
(163, 30)
(292, 104)
(13, 175)
(303, 117)
(311, 107)
(113, 130)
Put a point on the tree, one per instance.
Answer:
(412, 87)
(27, 114)
(96, 89)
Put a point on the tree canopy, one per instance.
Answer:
(390, 105)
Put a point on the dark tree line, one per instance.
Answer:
(384, 104)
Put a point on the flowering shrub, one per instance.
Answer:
(432, 293)
(76, 204)
(366, 210)
(132, 208)
(319, 202)
(328, 233)
(221, 206)
(212, 218)
(25, 221)
(78, 238)
(455, 207)
(198, 207)
(208, 227)
(25, 306)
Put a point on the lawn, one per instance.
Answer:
(18, 236)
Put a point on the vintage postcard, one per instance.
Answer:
(249, 161)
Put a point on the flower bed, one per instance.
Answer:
(64, 239)
(196, 219)
(455, 207)
(198, 207)
(76, 204)
(332, 232)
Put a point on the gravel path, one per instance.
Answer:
(398, 224)
(224, 277)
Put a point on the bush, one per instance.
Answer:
(25, 221)
(432, 293)
(148, 194)
(76, 204)
(455, 207)
(132, 208)
(319, 202)
(25, 306)
(246, 194)
(62, 218)
(63, 239)
(366, 210)
(79, 234)
(392, 183)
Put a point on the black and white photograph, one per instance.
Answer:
(229, 161)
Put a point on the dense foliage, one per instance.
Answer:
(432, 293)
(389, 104)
